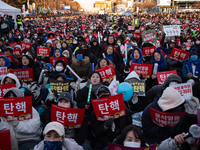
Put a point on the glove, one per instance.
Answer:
(189, 76)
(51, 97)
(14, 122)
(108, 123)
(163, 130)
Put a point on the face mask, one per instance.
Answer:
(105, 39)
(59, 68)
(188, 41)
(197, 42)
(75, 42)
(194, 58)
(79, 57)
(119, 44)
(66, 105)
(188, 48)
(56, 145)
(173, 83)
(64, 55)
(132, 144)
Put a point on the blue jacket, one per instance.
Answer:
(161, 63)
(55, 51)
(8, 64)
(138, 60)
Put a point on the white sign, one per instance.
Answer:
(163, 2)
(113, 87)
(3, 72)
(172, 30)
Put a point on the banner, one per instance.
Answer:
(12, 44)
(24, 75)
(5, 140)
(109, 107)
(53, 60)
(4, 87)
(163, 2)
(59, 86)
(162, 76)
(17, 52)
(116, 48)
(172, 30)
(131, 27)
(3, 72)
(185, 90)
(148, 51)
(138, 86)
(107, 72)
(149, 36)
(25, 45)
(69, 117)
(142, 69)
(112, 146)
(43, 51)
(16, 107)
(163, 119)
(179, 55)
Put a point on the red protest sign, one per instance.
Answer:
(116, 48)
(43, 51)
(3, 72)
(112, 106)
(5, 140)
(142, 69)
(12, 44)
(17, 52)
(188, 44)
(11, 57)
(112, 146)
(178, 54)
(16, 107)
(162, 76)
(95, 35)
(131, 27)
(148, 51)
(87, 39)
(107, 72)
(163, 119)
(4, 87)
(25, 45)
(164, 55)
(51, 38)
(73, 118)
(53, 60)
(23, 74)
(137, 36)
(178, 42)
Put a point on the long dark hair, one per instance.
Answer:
(90, 75)
(136, 131)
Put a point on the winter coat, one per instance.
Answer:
(196, 47)
(82, 68)
(95, 50)
(92, 57)
(161, 63)
(175, 65)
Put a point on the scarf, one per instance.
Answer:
(109, 56)
(94, 86)
(25, 66)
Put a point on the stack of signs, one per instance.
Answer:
(4, 87)
(53, 60)
(138, 87)
(163, 119)
(3, 72)
(5, 140)
(69, 117)
(25, 45)
(16, 107)
(112, 146)
(107, 72)
(185, 90)
(109, 107)
(142, 69)
(178, 54)
(59, 86)
(149, 36)
(172, 30)
(24, 75)
(148, 51)
(43, 51)
(162, 76)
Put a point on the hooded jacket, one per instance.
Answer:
(161, 63)
(55, 51)
(12, 76)
(139, 60)
(7, 61)
(96, 50)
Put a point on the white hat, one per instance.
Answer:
(133, 74)
(170, 99)
(55, 126)
(49, 41)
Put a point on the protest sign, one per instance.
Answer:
(188, 45)
(113, 87)
(116, 48)
(178, 54)
(59, 86)
(3, 72)
(12, 44)
(148, 51)
(4, 87)
(16, 107)
(51, 38)
(131, 27)
(69, 117)
(136, 35)
(11, 57)
(108, 107)
(138, 87)
(162, 76)
(43, 51)
(185, 90)
(164, 55)
(24, 75)
(163, 119)
(172, 30)
(107, 72)
(25, 45)
(112, 146)
(142, 69)
(69, 41)
(17, 52)
(149, 36)
(53, 60)
(87, 39)
(5, 140)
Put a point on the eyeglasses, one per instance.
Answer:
(83, 47)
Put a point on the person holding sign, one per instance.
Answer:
(54, 139)
(27, 132)
(49, 44)
(136, 56)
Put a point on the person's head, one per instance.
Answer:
(198, 41)
(65, 100)
(57, 53)
(136, 54)
(131, 136)
(1, 42)
(109, 49)
(49, 42)
(110, 39)
(25, 60)
(103, 91)
(54, 131)
(183, 47)
(157, 55)
(79, 54)
(103, 63)
(59, 65)
(8, 51)
(172, 43)
(194, 56)
(64, 45)
(2, 62)
(95, 78)
(10, 79)
(83, 47)
(13, 92)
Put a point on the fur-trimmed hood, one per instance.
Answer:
(83, 62)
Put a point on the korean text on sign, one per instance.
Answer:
(70, 117)
(162, 76)
(59, 86)
(142, 69)
(43, 51)
(17, 107)
(23, 74)
(148, 51)
(4, 87)
(107, 72)
(163, 119)
(138, 87)
(179, 55)
(53, 60)
(109, 107)
(3, 72)
(25, 45)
